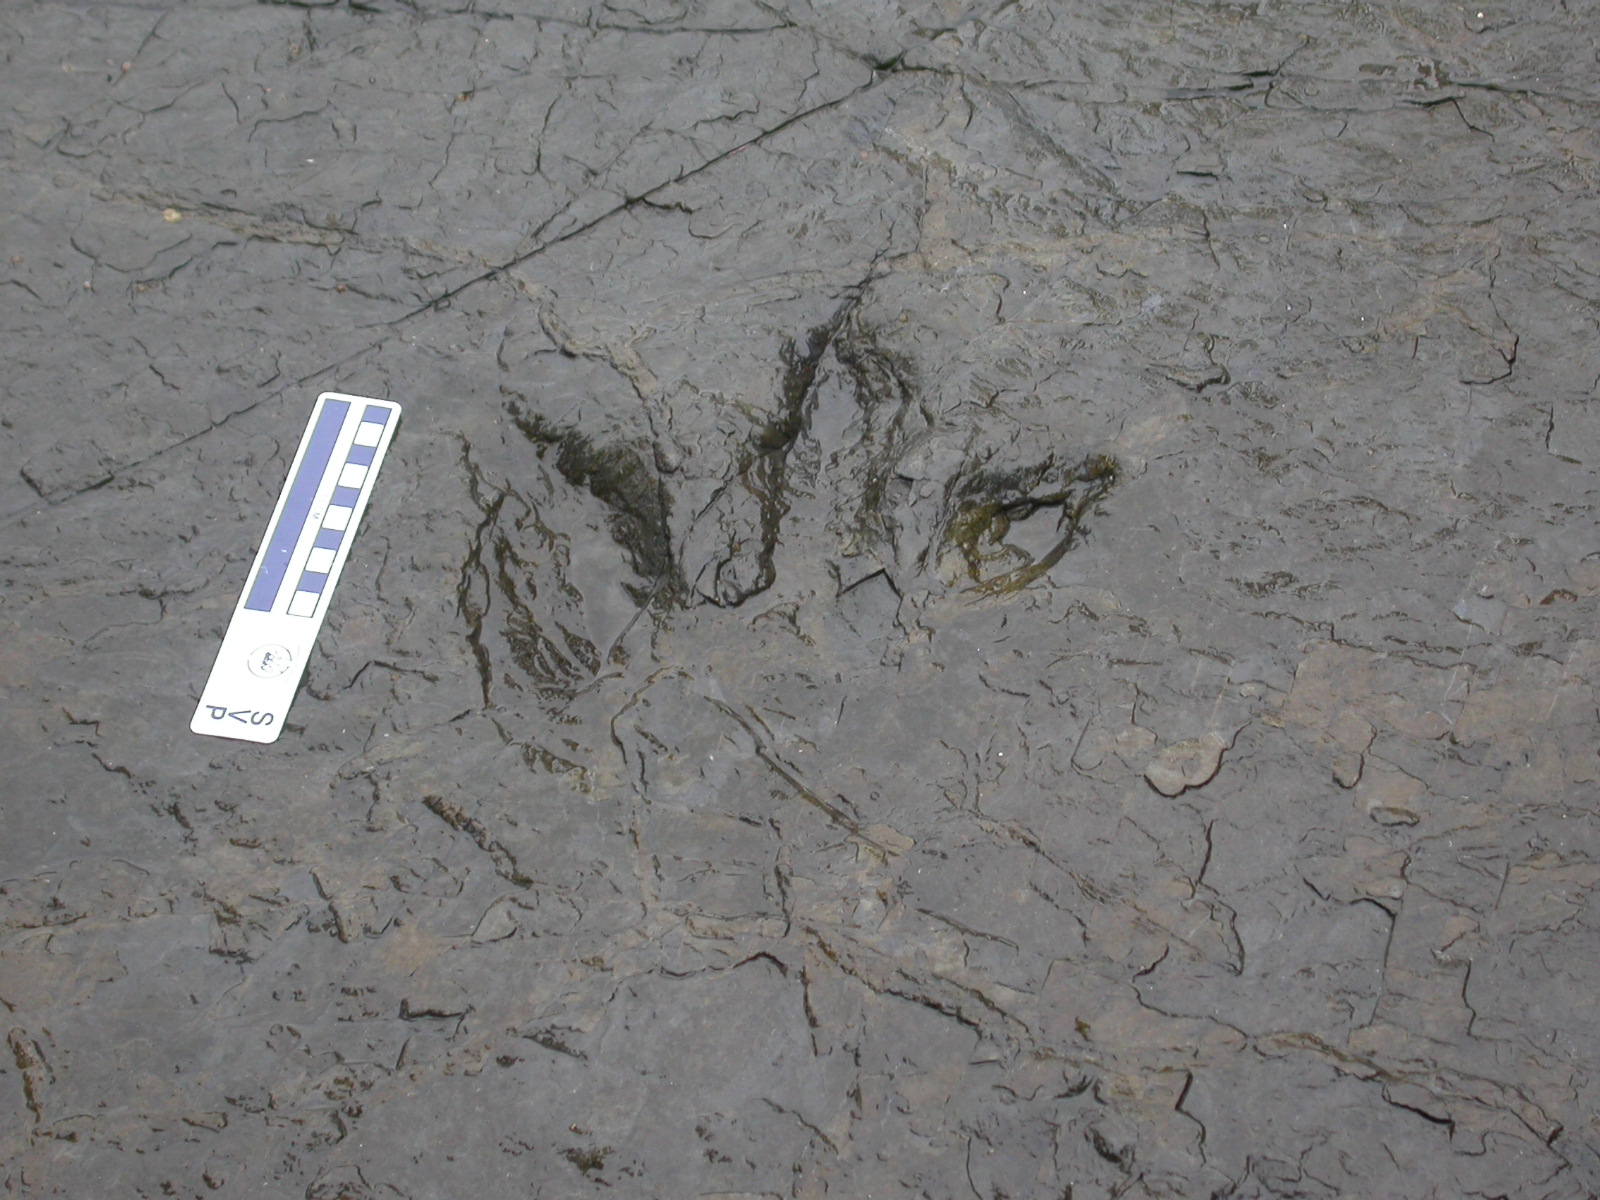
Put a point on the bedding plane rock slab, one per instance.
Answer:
(972, 599)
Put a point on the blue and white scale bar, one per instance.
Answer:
(286, 594)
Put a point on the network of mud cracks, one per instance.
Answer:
(984, 600)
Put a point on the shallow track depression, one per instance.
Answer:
(975, 599)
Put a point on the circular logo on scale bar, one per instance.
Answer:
(268, 661)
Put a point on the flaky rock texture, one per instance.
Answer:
(972, 600)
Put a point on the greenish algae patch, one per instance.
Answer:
(995, 501)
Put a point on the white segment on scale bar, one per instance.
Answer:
(286, 594)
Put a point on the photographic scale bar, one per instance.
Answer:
(286, 594)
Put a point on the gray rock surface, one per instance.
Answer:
(972, 600)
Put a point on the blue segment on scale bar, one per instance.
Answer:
(297, 505)
(341, 506)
